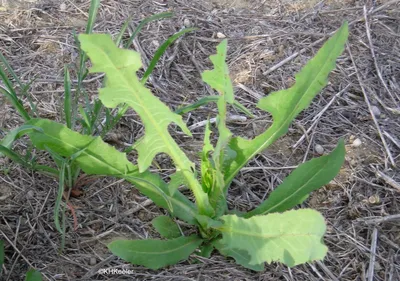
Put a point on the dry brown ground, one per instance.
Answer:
(362, 237)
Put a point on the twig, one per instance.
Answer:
(371, 47)
(372, 256)
(294, 55)
(370, 108)
(318, 117)
(378, 220)
(232, 118)
(395, 141)
(19, 252)
(388, 180)
(327, 271)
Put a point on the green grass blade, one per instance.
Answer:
(122, 31)
(12, 97)
(15, 134)
(155, 254)
(11, 71)
(308, 177)
(33, 275)
(161, 50)
(93, 10)
(159, 16)
(206, 100)
(14, 156)
(60, 193)
(67, 98)
(292, 238)
(285, 105)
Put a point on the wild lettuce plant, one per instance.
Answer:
(270, 232)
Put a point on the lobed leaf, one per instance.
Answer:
(293, 237)
(285, 105)
(304, 179)
(124, 87)
(99, 158)
(155, 254)
(166, 227)
(219, 79)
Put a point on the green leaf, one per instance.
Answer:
(306, 178)
(67, 98)
(15, 134)
(123, 86)
(241, 256)
(285, 105)
(206, 165)
(206, 250)
(155, 254)
(151, 18)
(293, 237)
(219, 79)
(99, 158)
(33, 275)
(161, 50)
(166, 227)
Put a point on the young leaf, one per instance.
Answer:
(285, 105)
(206, 166)
(155, 254)
(166, 227)
(99, 158)
(206, 250)
(33, 275)
(241, 256)
(219, 79)
(293, 237)
(123, 86)
(306, 178)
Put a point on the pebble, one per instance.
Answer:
(186, 23)
(319, 149)
(30, 194)
(63, 7)
(376, 111)
(92, 261)
(356, 143)
(220, 35)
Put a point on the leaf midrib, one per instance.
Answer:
(193, 241)
(233, 174)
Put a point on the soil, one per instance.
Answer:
(361, 205)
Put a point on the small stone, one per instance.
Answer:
(374, 199)
(220, 35)
(30, 194)
(376, 111)
(356, 143)
(63, 7)
(92, 261)
(186, 23)
(156, 43)
(319, 149)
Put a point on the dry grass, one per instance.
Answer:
(37, 40)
